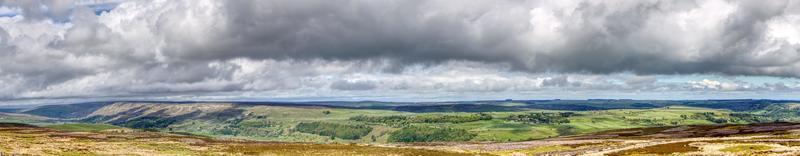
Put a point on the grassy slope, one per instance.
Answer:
(23, 118)
(595, 121)
(281, 121)
(39, 121)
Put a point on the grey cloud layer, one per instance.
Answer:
(647, 37)
(190, 46)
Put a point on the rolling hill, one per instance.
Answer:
(381, 122)
(397, 124)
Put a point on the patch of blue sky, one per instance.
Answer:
(99, 9)
(7, 11)
(102, 8)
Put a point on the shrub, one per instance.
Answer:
(709, 116)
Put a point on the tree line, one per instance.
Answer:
(429, 134)
(399, 120)
(542, 117)
(334, 130)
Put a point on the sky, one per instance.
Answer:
(398, 50)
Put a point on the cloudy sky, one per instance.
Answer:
(402, 50)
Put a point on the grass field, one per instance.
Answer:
(82, 127)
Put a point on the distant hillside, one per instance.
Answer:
(122, 112)
(368, 121)
(67, 111)
(82, 110)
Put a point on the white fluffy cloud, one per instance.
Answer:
(333, 48)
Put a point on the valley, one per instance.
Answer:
(610, 127)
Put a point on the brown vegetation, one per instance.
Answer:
(663, 149)
(21, 139)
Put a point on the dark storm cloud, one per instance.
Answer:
(413, 45)
(407, 31)
(599, 37)
(4, 37)
(616, 44)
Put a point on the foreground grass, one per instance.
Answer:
(664, 149)
(82, 127)
(746, 148)
(21, 139)
(533, 150)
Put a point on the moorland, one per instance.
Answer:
(502, 127)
